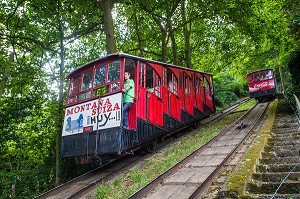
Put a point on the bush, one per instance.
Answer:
(227, 90)
(27, 183)
(225, 98)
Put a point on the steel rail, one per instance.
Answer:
(52, 192)
(148, 188)
(206, 184)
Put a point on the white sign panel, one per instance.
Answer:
(104, 113)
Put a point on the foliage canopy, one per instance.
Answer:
(42, 41)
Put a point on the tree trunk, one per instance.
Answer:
(108, 26)
(163, 39)
(186, 35)
(60, 110)
(138, 33)
(281, 74)
(174, 45)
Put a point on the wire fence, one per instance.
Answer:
(297, 112)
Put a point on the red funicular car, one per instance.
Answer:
(167, 98)
(262, 84)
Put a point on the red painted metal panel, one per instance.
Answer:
(209, 100)
(208, 93)
(157, 67)
(200, 99)
(189, 104)
(261, 85)
(200, 94)
(165, 99)
(181, 97)
(141, 103)
(175, 106)
(132, 116)
(155, 109)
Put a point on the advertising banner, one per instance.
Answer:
(261, 85)
(99, 114)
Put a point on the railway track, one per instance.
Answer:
(191, 177)
(88, 182)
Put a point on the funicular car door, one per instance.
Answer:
(174, 100)
(188, 90)
(130, 67)
(149, 107)
(208, 92)
(154, 101)
(199, 93)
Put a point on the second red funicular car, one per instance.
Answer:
(262, 84)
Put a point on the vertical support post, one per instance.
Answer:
(297, 107)
(281, 74)
(282, 80)
(13, 190)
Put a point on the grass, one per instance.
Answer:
(246, 106)
(242, 174)
(140, 176)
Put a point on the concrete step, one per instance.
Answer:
(273, 168)
(284, 138)
(293, 133)
(270, 188)
(269, 148)
(272, 142)
(279, 160)
(282, 153)
(276, 177)
(277, 196)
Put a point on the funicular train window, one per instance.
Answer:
(256, 76)
(250, 78)
(100, 79)
(114, 71)
(85, 86)
(115, 86)
(157, 85)
(206, 84)
(197, 84)
(269, 74)
(187, 88)
(130, 67)
(83, 96)
(164, 77)
(142, 75)
(172, 82)
(87, 80)
(114, 75)
(152, 81)
(74, 89)
(175, 84)
(101, 91)
(100, 74)
(262, 75)
(180, 80)
(107, 78)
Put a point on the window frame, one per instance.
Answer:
(91, 93)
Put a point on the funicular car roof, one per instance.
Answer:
(107, 57)
(259, 71)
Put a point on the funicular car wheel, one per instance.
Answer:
(150, 147)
